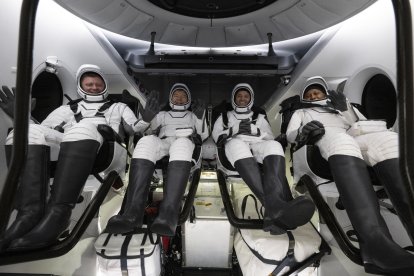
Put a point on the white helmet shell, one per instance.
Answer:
(90, 68)
(248, 107)
(317, 81)
(180, 107)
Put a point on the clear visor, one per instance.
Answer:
(177, 97)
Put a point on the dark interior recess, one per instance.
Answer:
(379, 99)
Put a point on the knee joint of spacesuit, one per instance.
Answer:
(237, 149)
(271, 147)
(36, 135)
(181, 149)
(82, 131)
(338, 144)
(146, 148)
(382, 146)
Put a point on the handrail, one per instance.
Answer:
(21, 108)
(190, 197)
(325, 212)
(404, 32)
(69, 242)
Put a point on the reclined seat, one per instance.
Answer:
(159, 178)
(195, 171)
(259, 252)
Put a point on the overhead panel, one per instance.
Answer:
(211, 36)
(114, 15)
(243, 34)
(309, 16)
(179, 34)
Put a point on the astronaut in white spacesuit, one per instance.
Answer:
(248, 139)
(71, 132)
(329, 124)
(175, 129)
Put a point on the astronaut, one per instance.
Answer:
(70, 132)
(328, 124)
(175, 130)
(248, 139)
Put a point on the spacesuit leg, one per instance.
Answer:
(178, 172)
(76, 159)
(239, 155)
(32, 191)
(281, 209)
(381, 255)
(382, 155)
(142, 167)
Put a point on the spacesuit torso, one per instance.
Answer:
(260, 127)
(331, 121)
(178, 123)
(116, 115)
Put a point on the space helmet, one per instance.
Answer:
(316, 82)
(248, 107)
(90, 68)
(181, 107)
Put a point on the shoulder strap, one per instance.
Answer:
(74, 105)
(225, 119)
(103, 108)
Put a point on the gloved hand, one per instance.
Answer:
(244, 127)
(198, 107)
(152, 107)
(337, 100)
(7, 100)
(311, 133)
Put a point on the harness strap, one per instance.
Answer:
(244, 203)
(74, 106)
(225, 119)
(288, 260)
(142, 258)
(124, 254)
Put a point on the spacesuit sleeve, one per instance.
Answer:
(265, 129)
(218, 129)
(157, 121)
(294, 126)
(201, 127)
(60, 116)
(131, 122)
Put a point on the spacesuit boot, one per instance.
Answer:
(177, 177)
(31, 194)
(388, 172)
(140, 174)
(75, 163)
(380, 254)
(250, 173)
(280, 208)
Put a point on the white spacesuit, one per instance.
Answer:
(248, 139)
(374, 147)
(70, 133)
(175, 129)
(349, 143)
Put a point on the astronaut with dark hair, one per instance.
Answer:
(69, 135)
(175, 129)
(330, 125)
(248, 140)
